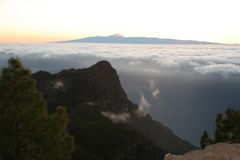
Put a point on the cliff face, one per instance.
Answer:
(106, 124)
(97, 85)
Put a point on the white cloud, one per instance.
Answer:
(223, 69)
(155, 93)
(153, 88)
(90, 103)
(144, 105)
(135, 62)
(169, 63)
(151, 71)
(117, 117)
(58, 84)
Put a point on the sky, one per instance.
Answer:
(37, 21)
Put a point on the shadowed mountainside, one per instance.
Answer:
(105, 123)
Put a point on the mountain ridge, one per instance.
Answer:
(117, 38)
(96, 103)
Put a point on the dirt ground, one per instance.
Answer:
(220, 151)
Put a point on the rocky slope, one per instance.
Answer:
(105, 123)
(221, 151)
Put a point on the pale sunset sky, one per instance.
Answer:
(37, 21)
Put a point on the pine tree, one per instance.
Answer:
(27, 131)
(205, 140)
(227, 129)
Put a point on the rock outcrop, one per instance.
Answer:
(220, 151)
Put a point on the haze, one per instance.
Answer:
(32, 21)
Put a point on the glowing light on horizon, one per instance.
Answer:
(53, 20)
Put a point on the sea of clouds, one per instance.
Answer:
(156, 59)
(183, 86)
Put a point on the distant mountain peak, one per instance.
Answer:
(116, 35)
(118, 38)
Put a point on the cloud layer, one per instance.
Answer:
(223, 60)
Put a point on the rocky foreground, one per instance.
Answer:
(220, 151)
